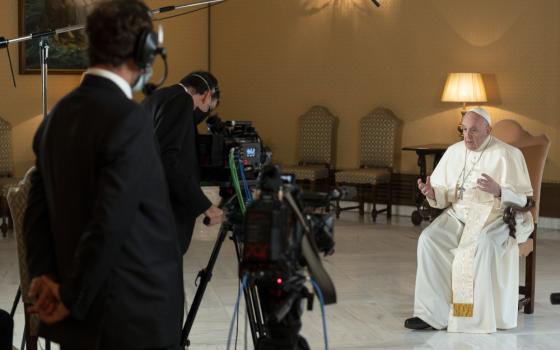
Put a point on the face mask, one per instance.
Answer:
(142, 80)
(199, 115)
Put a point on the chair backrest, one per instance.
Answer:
(378, 138)
(6, 160)
(17, 201)
(534, 149)
(317, 136)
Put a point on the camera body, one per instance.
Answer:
(277, 228)
(213, 150)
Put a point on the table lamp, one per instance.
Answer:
(464, 87)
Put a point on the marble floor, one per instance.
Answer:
(373, 270)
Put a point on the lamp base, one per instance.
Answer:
(460, 125)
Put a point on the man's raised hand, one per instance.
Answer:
(426, 188)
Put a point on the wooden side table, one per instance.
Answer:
(423, 210)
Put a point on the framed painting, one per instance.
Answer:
(67, 51)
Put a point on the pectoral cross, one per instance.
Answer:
(459, 191)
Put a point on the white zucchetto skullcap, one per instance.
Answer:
(483, 113)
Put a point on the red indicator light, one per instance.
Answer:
(279, 280)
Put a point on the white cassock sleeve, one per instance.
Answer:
(438, 180)
(516, 187)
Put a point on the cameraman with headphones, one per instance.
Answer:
(177, 110)
(102, 243)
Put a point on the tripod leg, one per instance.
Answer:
(205, 277)
(254, 312)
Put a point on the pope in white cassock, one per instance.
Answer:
(467, 276)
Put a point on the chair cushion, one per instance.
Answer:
(307, 172)
(364, 176)
(6, 183)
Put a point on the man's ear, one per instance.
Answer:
(208, 94)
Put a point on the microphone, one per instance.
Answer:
(319, 199)
(151, 87)
(343, 193)
(159, 50)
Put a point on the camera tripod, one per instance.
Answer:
(254, 312)
(272, 335)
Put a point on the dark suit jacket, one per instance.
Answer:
(172, 110)
(99, 221)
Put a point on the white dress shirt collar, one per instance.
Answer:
(115, 78)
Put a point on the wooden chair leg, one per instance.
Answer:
(373, 204)
(389, 199)
(530, 277)
(337, 211)
(361, 200)
(10, 221)
(29, 340)
(4, 213)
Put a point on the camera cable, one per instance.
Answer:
(248, 196)
(236, 308)
(322, 304)
(235, 180)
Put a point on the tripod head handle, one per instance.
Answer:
(225, 205)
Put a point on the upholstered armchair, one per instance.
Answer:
(316, 147)
(535, 150)
(7, 178)
(17, 201)
(379, 131)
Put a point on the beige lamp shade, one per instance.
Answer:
(464, 87)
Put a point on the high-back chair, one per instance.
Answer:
(17, 200)
(316, 146)
(379, 133)
(7, 178)
(535, 150)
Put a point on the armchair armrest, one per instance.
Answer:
(509, 214)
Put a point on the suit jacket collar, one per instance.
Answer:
(102, 83)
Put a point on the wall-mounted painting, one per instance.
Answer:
(67, 51)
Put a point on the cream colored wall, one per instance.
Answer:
(276, 58)
(186, 40)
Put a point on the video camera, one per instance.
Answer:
(277, 222)
(278, 236)
(214, 147)
(284, 231)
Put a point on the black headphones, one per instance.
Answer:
(146, 49)
(145, 52)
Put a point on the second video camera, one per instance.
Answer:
(214, 148)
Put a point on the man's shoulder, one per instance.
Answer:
(165, 93)
(99, 104)
(456, 147)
